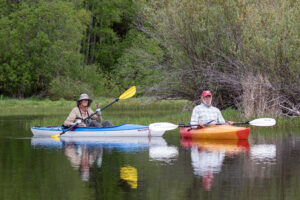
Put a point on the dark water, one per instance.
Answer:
(264, 167)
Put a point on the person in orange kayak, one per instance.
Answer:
(83, 111)
(206, 114)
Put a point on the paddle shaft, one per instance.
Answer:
(73, 126)
(240, 123)
(116, 100)
(68, 129)
(235, 123)
(184, 125)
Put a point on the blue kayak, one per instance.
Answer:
(124, 130)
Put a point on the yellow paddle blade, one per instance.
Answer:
(128, 93)
(55, 136)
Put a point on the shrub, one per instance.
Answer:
(66, 88)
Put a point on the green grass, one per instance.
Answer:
(133, 110)
(287, 122)
(9, 107)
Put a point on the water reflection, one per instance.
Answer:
(83, 158)
(165, 154)
(129, 174)
(263, 153)
(87, 152)
(207, 156)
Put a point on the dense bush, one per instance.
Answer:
(66, 88)
(218, 45)
(39, 41)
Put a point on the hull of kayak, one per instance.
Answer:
(216, 132)
(124, 130)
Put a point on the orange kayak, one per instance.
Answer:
(216, 132)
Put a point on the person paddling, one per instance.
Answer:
(206, 114)
(83, 111)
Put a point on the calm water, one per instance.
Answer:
(264, 167)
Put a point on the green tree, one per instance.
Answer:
(109, 24)
(139, 63)
(39, 41)
(241, 50)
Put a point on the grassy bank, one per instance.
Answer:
(133, 110)
(31, 106)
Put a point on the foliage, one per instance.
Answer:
(108, 24)
(217, 44)
(40, 48)
(138, 64)
(169, 49)
(65, 88)
(271, 43)
(196, 37)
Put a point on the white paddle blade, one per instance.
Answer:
(263, 122)
(162, 126)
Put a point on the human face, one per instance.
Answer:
(84, 102)
(206, 100)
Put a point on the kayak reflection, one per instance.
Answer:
(207, 156)
(87, 152)
(124, 144)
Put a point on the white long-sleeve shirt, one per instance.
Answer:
(204, 114)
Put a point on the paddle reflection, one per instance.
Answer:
(85, 153)
(263, 159)
(263, 153)
(165, 154)
(207, 156)
(130, 176)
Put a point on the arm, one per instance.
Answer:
(71, 118)
(195, 117)
(96, 117)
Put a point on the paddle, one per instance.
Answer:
(126, 95)
(71, 128)
(166, 126)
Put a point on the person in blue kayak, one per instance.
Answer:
(206, 114)
(82, 112)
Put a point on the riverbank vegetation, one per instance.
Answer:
(246, 52)
(143, 110)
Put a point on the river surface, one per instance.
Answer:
(264, 167)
